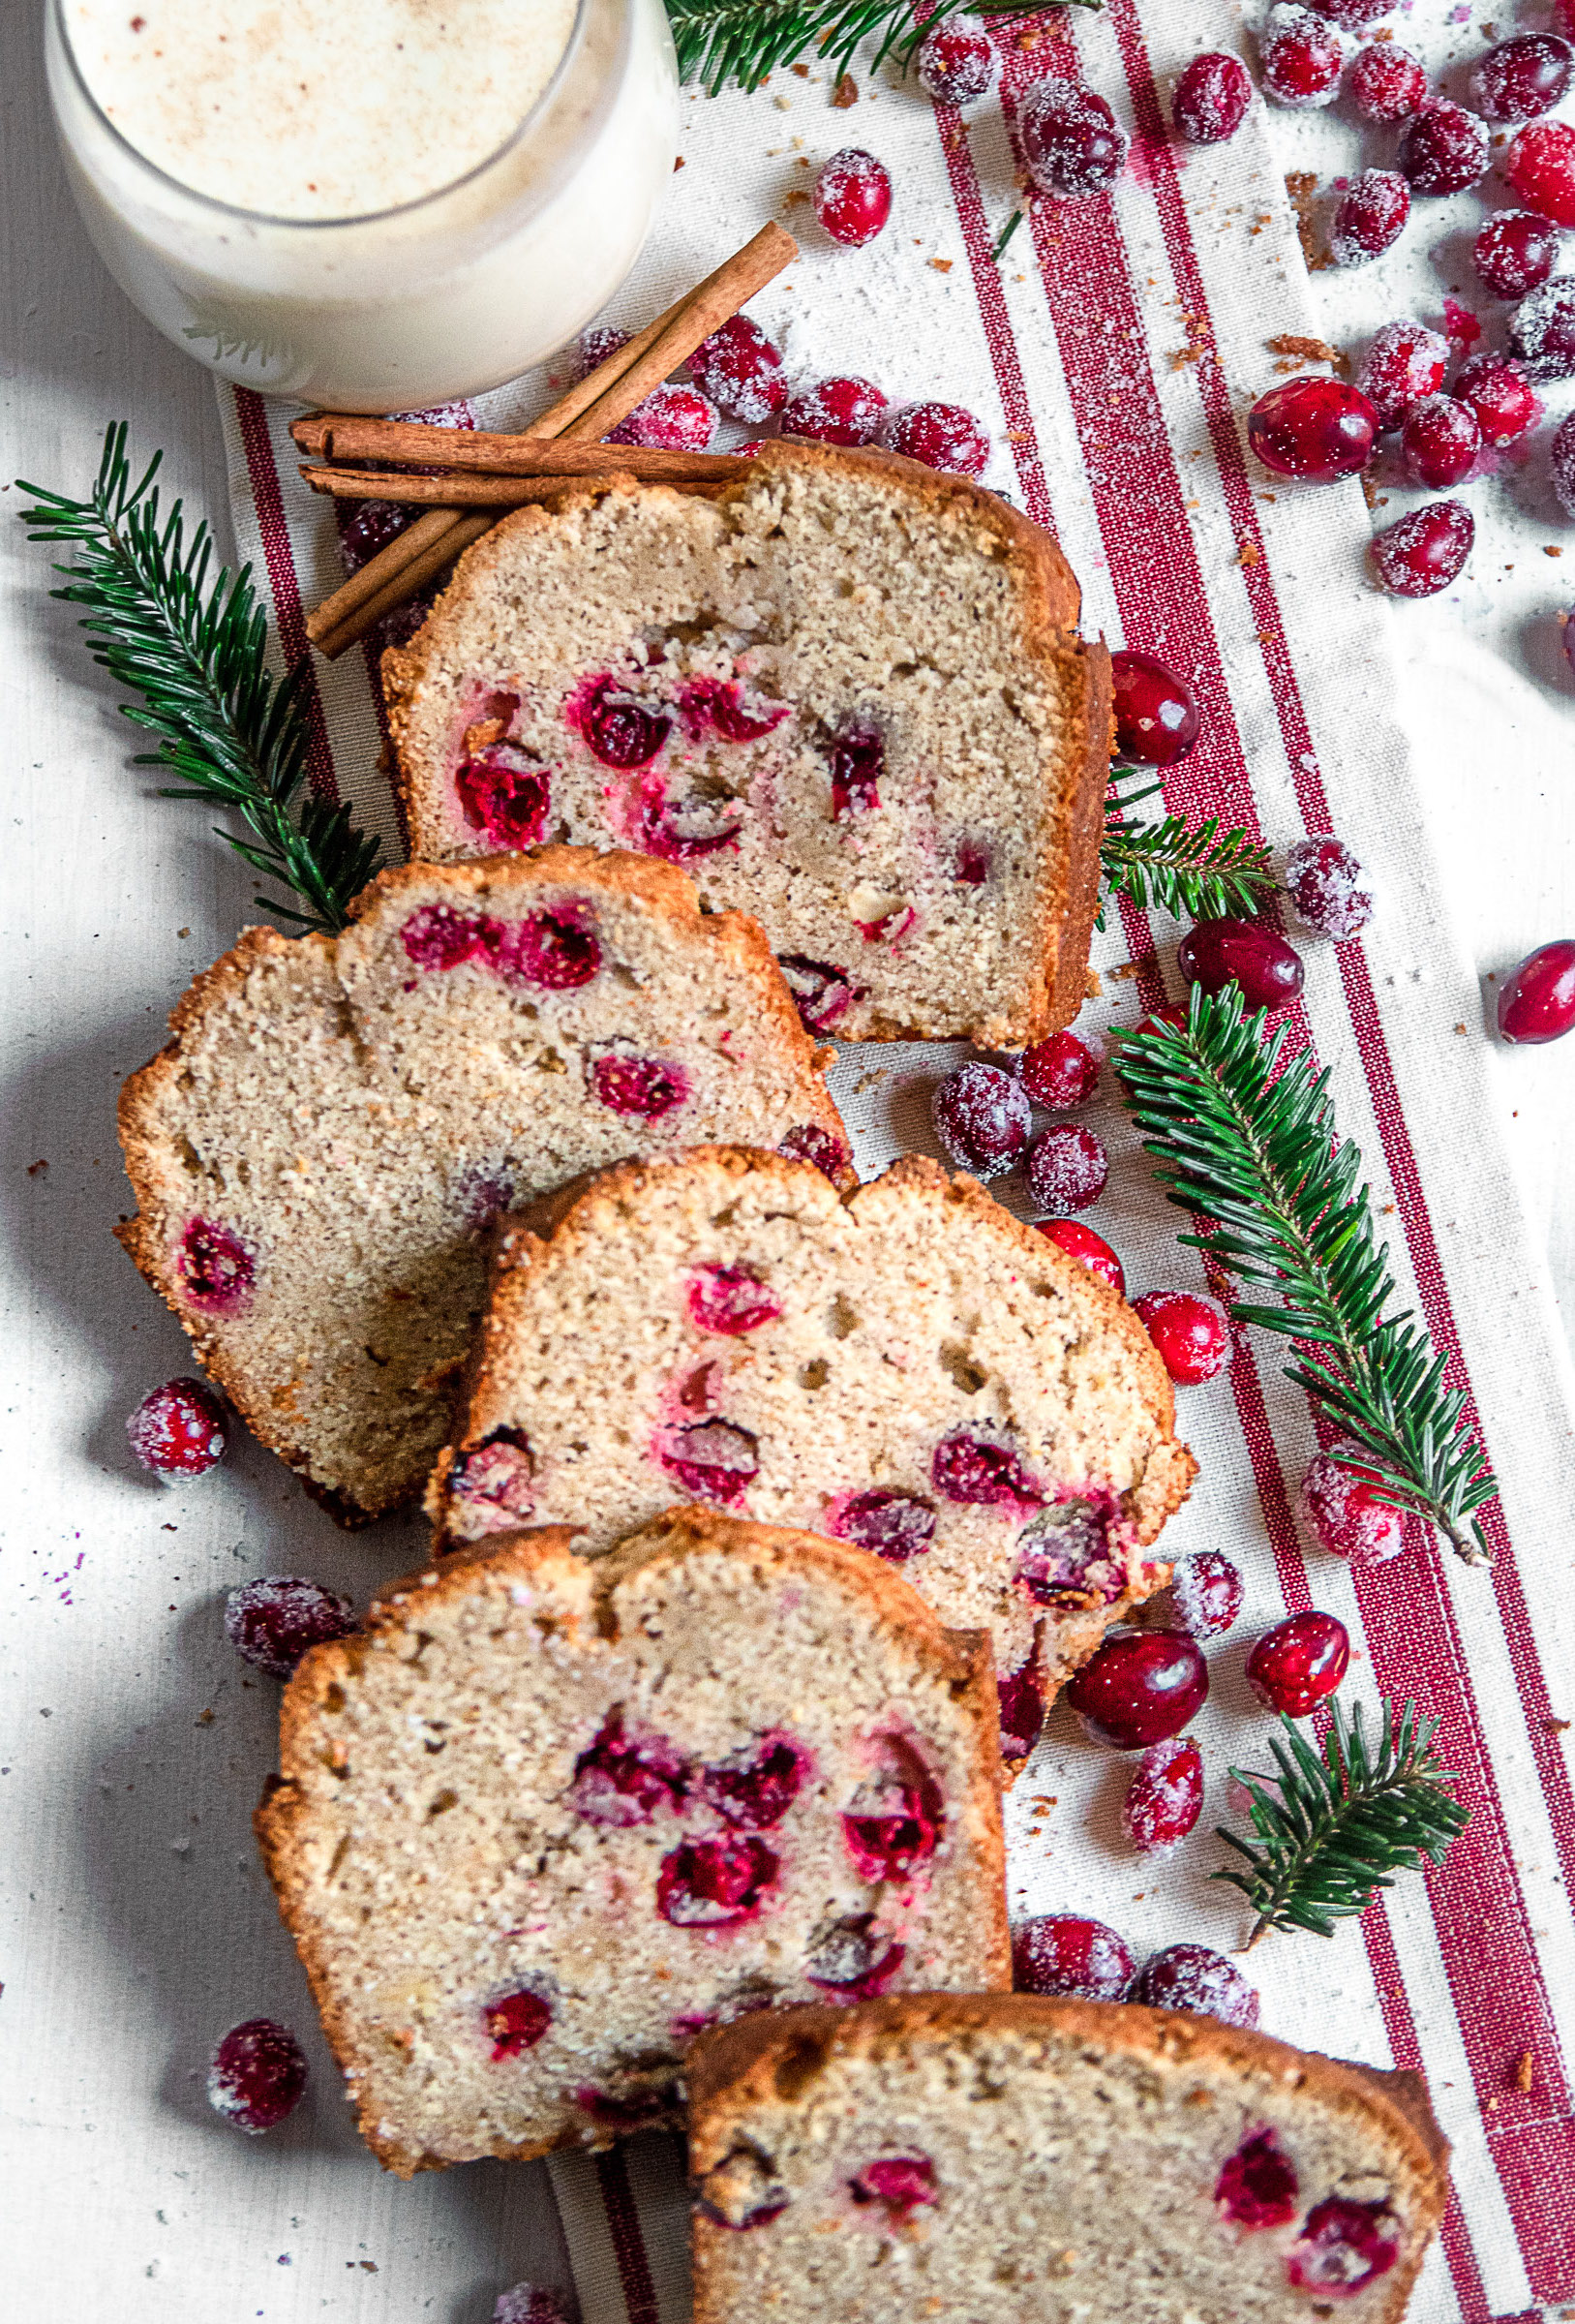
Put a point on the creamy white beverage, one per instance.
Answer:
(376, 204)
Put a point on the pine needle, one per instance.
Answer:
(745, 40)
(1198, 874)
(194, 649)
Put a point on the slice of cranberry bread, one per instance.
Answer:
(908, 1367)
(317, 1151)
(1032, 2161)
(846, 693)
(547, 1820)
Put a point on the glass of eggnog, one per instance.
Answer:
(370, 205)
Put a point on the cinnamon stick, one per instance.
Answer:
(466, 482)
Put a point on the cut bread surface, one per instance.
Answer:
(547, 1820)
(847, 694)
(317, 1154)
(908, 1367)
(1007, 2159)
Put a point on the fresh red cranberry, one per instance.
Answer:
(942, 436)
(218, 1269)
(1202, 1982)
(1356, 16)
(1562, 12)
(718, 1883)
(439, 938)
(735, 720)
(1514, 251)
(178, 1431)
(371, 528)
(1072, 143)
(1155, 712)
(741, 371)
(528, 2303)
(671, 418)
(504, 793)
(853, 196)
(972, 863)
(1540, 169)
(1542, 330)
(1312, 428)
(809, 1143)
(647, 1088)
(683, 828)
(1062, 1072)
(1369, 217)
(1500, 395)
(856, 756)
(1165, 1796)
(1299, 56)
(731, 1299)
(554, 948)
(1444, 148)
(1171, 1019)
(1343, 2247)
(272, 1622)
(1405, 362)
(1328, 887)
(1217, 953)
(755, 1789)
(1562, 466)
(842, 409)
(623, 1780)
(1211, 99)
(1207, 1593)
(1342, 1509)
(258, 2074)
(1064, 1954)
(596, 347)
(1022, 1697)
(516, 2023)
(892, 1830)
(621, 730)
(896, 1526)
(1537, 1003)
(821, 993)
(982, 1119)
(977, 1471)
(1441, 441)
(1067, 1168)
(1521, 77)
(900, 2183)
(1386, 83)
(1299, 1663)
(956, 62)
(1258, 2185)
(1142, 1687)
(852, 1961)
(1078, 1241)
(1425, 550)
(714, 1460)
(492, 1483)
(1065, 1560)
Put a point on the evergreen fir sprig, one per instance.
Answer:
(1244, 1138)
(194, 649)
(1332, 1829)
(1201, 874)
(745, 40)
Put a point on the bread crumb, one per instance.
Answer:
(1460, 1028)
(803, 71)
(1125, 972)
(1551, 550)
(1524, 2073)
(941, 265)
(677, 161)
(1301, 190)
(845, 93)
(1308, 350)
(36, 1169)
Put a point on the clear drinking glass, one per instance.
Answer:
(407, 307)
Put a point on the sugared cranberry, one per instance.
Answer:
(1386, 83)
(1425, 550)
(1562, 12)
(856, 756)
(1202, 1982)
(1405, 362)
(1444, 148)
(1537, 1003)
(528, 2303)
(1142, 1687)
(597, 347)
(942, 436)
(977, 1471)
(1067, 1168)
(647, 1088)
(1514, 251)
(1521, 77)
(1356, 16)
(1369, 217)
(842, 409)
(1072, 141)
(852, 1959)
(1542, 330)
(956, 62)
(621, 730)
(900, 2183)
(1165, 1796)
(1500, 395)
(853, 196)
(891, 1828)
(554, 948)
(1540, 167)
(1562, 465)
(1155, 712)
(714, 1460)
(1315, 429)
(718, 1883)
(896, 1526)
(439, 938)
(1022, 1697)
(1217, 953)
(731, 1299)
(755, 1789)
(370, 530)
(741, 371)
(516, 2023)
(1211, 99)
(1299, 1663)
(1062, 1072)
(1441, 441)
(504, 794)
(821, 993)
(1299, 56)
(982, 1119)
(217, 1268)
(1343, 2246)
(1078, 1241)
(1063, 1953)
(671, 418)
(1207, 1592)
(1342, 1511)
(1064, 1561)
(1258, 2185)
(272, 1622)
(623, 1780)
(1328, 887)
(810, 1143)
(178, 1431)
(258, 2074)
(491, 1484)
